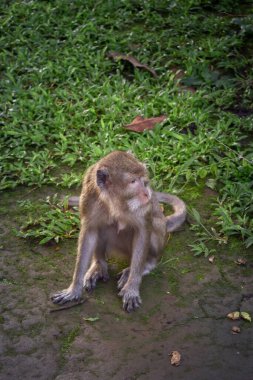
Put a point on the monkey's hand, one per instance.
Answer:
(131, 298)
(97, 271)
(66, 295)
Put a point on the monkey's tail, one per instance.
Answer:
(73, 201)
(175, 220)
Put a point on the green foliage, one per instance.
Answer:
(54, 222)
(69, 339)
(63, 102)
(235, 209)
(205, 236)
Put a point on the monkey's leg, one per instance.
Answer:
(124, 274)
(98, 271)
(130, 291)
(86, 246)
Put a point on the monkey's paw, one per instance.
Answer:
(93, 275)
(66, 295)
(123, 277)
(131, 299)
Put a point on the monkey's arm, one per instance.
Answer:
(130, 291)
(175, 220)
(86, 246)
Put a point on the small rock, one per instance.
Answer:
(235, 330)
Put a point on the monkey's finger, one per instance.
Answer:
(90, 285)
(132, 304)
(59, 299)
(90, 282)
(62, 297)
(123, 278)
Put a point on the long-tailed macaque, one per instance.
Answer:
(120, 213)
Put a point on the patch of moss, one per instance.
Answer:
(69, 339)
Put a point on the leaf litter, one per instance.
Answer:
(140, 124)
(132, 60)
(235, 315)
(175, 358)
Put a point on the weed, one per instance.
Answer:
(69, 339)
(204, 236)
(54, 222)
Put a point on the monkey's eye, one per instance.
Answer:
(133, 181)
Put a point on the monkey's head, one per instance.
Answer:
(122, 178)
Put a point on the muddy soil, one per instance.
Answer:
(185, 303)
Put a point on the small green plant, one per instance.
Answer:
(69, 339)
(54, 223)
(204, 236)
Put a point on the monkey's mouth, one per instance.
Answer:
(144, 199)
(138, 203)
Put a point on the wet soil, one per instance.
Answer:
(185, 303)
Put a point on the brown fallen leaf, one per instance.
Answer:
(241, 261)
(235, 330)
(129, 58)
(139, 124)
(211, 259)
(175, 358)
(234, 315)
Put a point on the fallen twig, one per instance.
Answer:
(69, 306)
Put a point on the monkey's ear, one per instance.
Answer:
(102, 177)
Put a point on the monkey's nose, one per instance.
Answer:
(145, 197)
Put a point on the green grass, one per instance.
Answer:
(64, 103)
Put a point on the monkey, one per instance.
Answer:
(120, 213)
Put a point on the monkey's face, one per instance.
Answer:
(123, 180)
(137, 191)
(131, 189)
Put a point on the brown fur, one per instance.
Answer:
(120, 213)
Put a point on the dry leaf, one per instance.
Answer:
(241, 261)
(211, 259)
(235, 330)
(234, 315)
(175, 358)
(118, 56)
(246, 316)
(91, 319)
(139, 124)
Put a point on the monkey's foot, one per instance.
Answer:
(95, 273)
(66, 295)
(131, 299)
(123, 278)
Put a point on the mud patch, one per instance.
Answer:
(185, 302)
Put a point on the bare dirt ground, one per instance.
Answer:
(185, 303)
